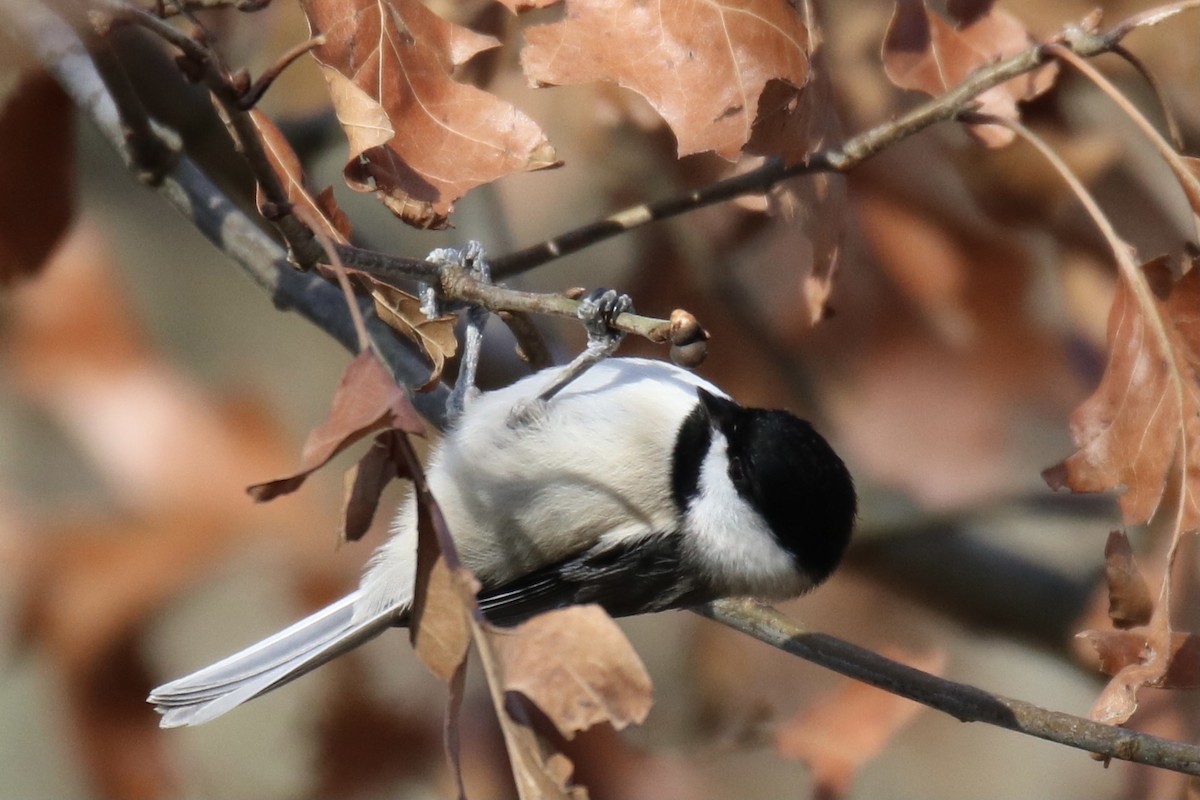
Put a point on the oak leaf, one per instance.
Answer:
(365, 481)
(398, 309)
(1144, 418)
(1129, 600)
(539, 771)
(402, 311)
(321, 210)
(576, 665)
(366, 400)
(924, 52)
(1118, 650)
(418, 138)
(445, 619)
(1140, 430)
(702, 65)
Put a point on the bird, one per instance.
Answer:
(639, 486)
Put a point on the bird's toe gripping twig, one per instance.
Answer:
(598, 311)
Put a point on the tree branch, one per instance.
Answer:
(847, 156)
(185, 186)
(231, 102)
(961, 701)
(455, 283)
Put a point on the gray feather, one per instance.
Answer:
(279, 659)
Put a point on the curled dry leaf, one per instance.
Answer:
(418, 138)
(444, 608)
(576, 665)
(445, 618)
(366, 400)
(440, 623)
(397, 308)
(1118, 650)
(365, 481)
(1144, 418)
(401, 311)
(1140, 430)
(323, 209)
(1129, 601)
(539, 772)
(923, 52)
(702, 65)
(839, 734)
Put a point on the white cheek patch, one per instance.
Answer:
(730, 542)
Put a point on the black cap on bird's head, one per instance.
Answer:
(787, 471)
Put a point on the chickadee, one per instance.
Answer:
(640, 487)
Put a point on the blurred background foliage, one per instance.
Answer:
(144, 383)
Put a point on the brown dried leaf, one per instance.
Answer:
(441, 622)
(401, 311)
(365, 481)
(37, 171)
(1118, 650)
(323, 209)
(923, 52)
(443, 598)
(418, 138)
(444, 609)
(397, 308)
(794, 121)
(365, 400)
(442, 633)
(836, 736)
(1144, 418)
(1129, 601)
(702, 65)
(576, 665)
(539, 772)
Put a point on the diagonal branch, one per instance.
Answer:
(231, 100)
(185, 186)
(456, 283)
(962, 701)
(843, 158)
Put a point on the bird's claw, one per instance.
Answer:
(598, 311)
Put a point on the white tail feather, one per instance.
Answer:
(279, 659)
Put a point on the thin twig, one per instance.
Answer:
(1188, 180)
(456, 283)
(1164, 108)
(185, 186)
(251, 96)
(191, 6)
(531, 345)
(847, 156)
(305, 249)
(147, 148)
(339, 269)
(961, 701)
